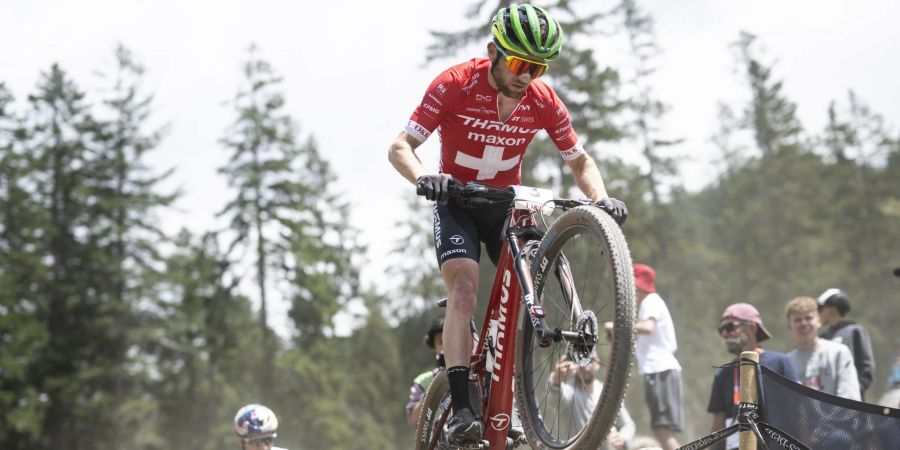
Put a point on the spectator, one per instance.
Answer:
(577, 390)
(256, 428)
(656, 346)
(741, 329)
(834, 304)
(434, 341)
(821, 364)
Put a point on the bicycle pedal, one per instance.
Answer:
(513, 443)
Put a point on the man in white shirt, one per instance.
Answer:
(656, 346)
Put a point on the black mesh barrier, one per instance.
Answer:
(822, 421)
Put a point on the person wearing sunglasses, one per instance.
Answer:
(256, 427)
(488, 111)
(741, 329)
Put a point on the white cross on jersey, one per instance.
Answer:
(490, 164)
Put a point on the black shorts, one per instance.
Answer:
(459, 232)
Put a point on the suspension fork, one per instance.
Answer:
(534, 311)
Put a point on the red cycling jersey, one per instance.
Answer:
(475, 144)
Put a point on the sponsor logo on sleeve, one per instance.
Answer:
(572, 152)
(562, 130)
(417, 131)
(431, 108)
(441, 89)
(472, 83)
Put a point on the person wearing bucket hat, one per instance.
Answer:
(655, 352)
(741, 329)
(834, 304)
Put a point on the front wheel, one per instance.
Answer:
(569, 393)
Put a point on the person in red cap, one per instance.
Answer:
(741, 329)
(656, 345)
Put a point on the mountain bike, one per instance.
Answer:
(551, 294)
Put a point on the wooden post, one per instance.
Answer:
(749, 394)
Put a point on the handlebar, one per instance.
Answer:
(473, 195)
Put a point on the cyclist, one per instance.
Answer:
(488, 111)
(256, 427)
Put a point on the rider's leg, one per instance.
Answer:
(461, 278)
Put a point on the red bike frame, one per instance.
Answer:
(494, 356)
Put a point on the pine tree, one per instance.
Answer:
(125, 231)
(770, 114)
(82, 356)
(261, 169)
(21, 270)
(325, 251)
(648, 112)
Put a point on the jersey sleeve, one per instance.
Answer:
(441, 97)
(558, 124)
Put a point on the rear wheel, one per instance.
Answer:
(435, 405)
(583, 277)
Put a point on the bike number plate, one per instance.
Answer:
(533, 199)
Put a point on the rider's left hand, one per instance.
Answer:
(615, 208)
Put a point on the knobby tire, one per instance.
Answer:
(432, 409)
(596, 234)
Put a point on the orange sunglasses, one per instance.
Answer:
(519, 65)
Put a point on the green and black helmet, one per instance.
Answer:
(529, 30)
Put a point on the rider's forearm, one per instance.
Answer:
(587, 177)
(403, 157)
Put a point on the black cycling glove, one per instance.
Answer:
(615, 208)
(435, 187)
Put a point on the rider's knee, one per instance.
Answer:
(463, 293)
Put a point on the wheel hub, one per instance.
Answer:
(581, 351)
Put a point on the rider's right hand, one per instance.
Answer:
(435, 187)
